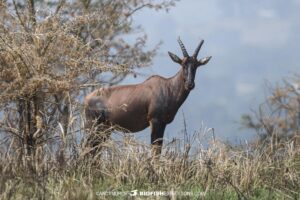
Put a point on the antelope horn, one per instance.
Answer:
(185, 54)
(198, 49)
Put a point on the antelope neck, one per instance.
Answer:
(179, 92)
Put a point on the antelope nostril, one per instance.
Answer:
(190, 85)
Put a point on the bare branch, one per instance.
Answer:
(18, 15)
(32, 12)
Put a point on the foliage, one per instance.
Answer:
(53, 52)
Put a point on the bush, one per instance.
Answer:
(278, 118)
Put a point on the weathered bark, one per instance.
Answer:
(28, 113)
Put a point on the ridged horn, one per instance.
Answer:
(198, 49)
(185, 54)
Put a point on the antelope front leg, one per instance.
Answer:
(97, 137)
(98, 132)
(157, 134)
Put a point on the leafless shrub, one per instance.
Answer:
(278, 118)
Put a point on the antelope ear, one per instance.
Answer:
(175, 58)
(204, 61)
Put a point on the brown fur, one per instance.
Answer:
(154, 102)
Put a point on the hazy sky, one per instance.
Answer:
(251, 42)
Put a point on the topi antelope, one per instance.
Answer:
(153, 103)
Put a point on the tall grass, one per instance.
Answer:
(186, 170)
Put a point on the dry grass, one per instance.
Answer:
(124, 164)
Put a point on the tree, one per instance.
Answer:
(52, 52)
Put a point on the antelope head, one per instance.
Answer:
(189, 64)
